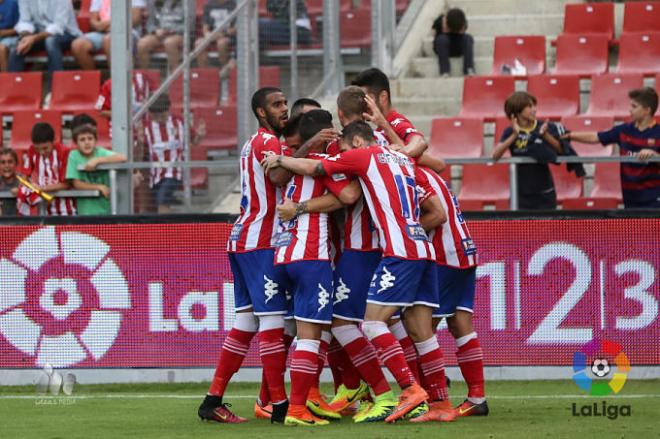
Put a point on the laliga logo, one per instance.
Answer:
(61, 297)
(599, 351)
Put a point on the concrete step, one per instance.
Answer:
(480, 7)
(483, 46)
(427, 87)
(505, 24)
(431, 106)
(428, 67)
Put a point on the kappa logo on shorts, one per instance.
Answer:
(341, 292)
(270, 288)
(323, 298)
(386, 280)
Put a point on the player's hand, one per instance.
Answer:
(374, 115)
(105, 190)
(324, 137)
(514, 125)
(646, 154)
(287, 210)
(271, 161)
(91, 165)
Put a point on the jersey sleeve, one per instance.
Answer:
(64, 154)
(267, 145)
(423, 185)
(610, 136)
(404, 129)
(103, 103)
(353, 162)
(336, 183)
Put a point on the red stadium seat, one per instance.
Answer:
(315, 7)
(454, 137)
(204, 89)
(597, 18)
(567, 185)
(587, 203)
(485, 184)
(639, 53)
(609, 94)
(586, 123)
(607, 181)
(641, 17)
(20, 91)
(484, 96)
(23, 122)
(355, 28)
(558, 95)
(75, 91)
(269, 76)
(583, 55)
(199, 177)
(528, 49)
(221, 128)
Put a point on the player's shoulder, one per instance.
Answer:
(395, 118)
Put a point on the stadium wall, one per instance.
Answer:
(151, 299)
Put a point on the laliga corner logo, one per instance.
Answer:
(62, 298)
(600, 352)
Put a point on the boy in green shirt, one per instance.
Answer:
(89, 155)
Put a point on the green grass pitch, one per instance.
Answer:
(529, 409)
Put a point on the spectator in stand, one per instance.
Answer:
(8, 181)
(215, 12)
(640, 182)
(165, 27)
(8, 35)
(84, 47)
(44, 25)
(526, 137)
(275, 30)
(164, 139)
(89, 155)
(451, 40)
(45, 165)
(142, 88)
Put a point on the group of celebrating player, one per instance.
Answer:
(352, 243)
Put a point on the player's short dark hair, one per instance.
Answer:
(358, 128)
(42, 132)
(646, 97)
(351, 101)
(259, 98)
(297, 106)
(160, 105)
(517, 102)
(9, 151)
(84, 129)
(374, 80)
(82, 119)
(292, 126)
(312, 122)
(456, 20)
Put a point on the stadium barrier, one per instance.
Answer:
(157, 292)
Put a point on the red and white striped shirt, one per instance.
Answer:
(401, 126)
(256, 226)
(452, 241)
(141, 91)
(49, 169)
(388, 183)
(165, 143)
(306, 237)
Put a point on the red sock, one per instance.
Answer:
(234, 349)
(364, 358)
(273, 360)
(349, 376)
(410, 355)
(470, 359)
(390, 353)
(433, 370)
(264, 394)
(304, 364)
(323, 353)
(333, 362)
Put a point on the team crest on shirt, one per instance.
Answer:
(341, 292)
(236, 232)
(469, 248)
(270, 288)
(324, 298)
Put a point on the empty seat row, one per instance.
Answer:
(640, 16)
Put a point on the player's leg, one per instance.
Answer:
(469, 353)
(312, 299)
(316, 402)
(233, 351)
(394, 285)
(407, 344)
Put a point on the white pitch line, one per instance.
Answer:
(169, 396)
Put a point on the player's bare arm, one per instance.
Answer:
(323, 204)
(583, 137)
(296, 165)
(435, 163)
(433, 214)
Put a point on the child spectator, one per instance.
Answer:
(451, 40)
(84, 47)
(45, 165)
(8, 181)
(164, 139)
(640, 182)
(165, 27)
(89, 155)
(215, 12)
(142, 88)
(44, 25)
(526, 137)
(8, 35)
(275, 30)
